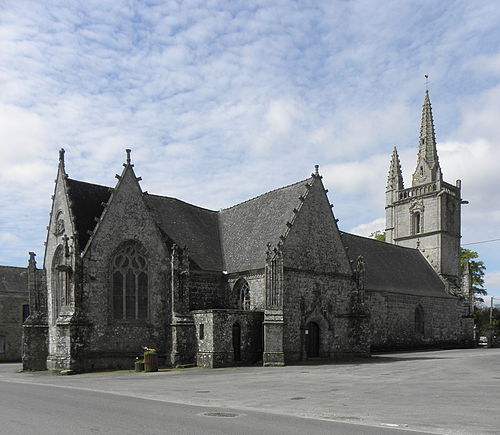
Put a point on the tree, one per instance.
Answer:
(378, 235)
(477, 269)
(482, 319)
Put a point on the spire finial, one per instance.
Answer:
(395, 177)
(426, 83)
(61, 161)
(128, 150)
(316, 170)
(32, 261)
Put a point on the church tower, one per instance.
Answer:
(427, 214)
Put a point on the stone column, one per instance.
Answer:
(35, 328)
(182, 326)
(273, 313)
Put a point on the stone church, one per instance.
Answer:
(270, 280)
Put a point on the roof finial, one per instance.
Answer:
(316, 170)
(426, 83)
(128, 150)
(32, 261)
(395, 177)
(61, 161)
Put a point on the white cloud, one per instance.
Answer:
(369, 228)
(492, 282)
(225, 100)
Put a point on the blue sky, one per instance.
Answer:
(221, 101)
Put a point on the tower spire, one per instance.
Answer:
(428, 168)
(395, 177)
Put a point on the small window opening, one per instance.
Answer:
(26, 312)
(202, 331)
(419, 320)
(3, 344)
(417, 223)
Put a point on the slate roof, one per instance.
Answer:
(233, 239)
(86, 204)
(246, 228)
(13, 279)
(191, 226)
(393, 268)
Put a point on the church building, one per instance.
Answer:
(271, 280)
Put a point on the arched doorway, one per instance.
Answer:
(312, 340)
(237, 342)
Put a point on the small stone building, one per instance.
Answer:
(14, 309)
(270, 280)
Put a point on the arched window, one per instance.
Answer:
(242, 290)
(417, 223)
(419, 320)
(130, 284)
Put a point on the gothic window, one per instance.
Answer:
(417, 223)
(130, 284)
(419, 320)
(242, 289)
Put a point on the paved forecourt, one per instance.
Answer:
(449, 391)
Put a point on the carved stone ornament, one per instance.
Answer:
(59, 227)
(417, 205)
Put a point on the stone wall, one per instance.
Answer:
(439, 238)
(256, 282)
(393, 324)
(114, 343)
(11, 321)
(313, 242)
(207, 290)
(320, 298)
(60, 224)
(318, 281)
(214, 332)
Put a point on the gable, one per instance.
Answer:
(395, 269)
(313, 242)
(246, 228)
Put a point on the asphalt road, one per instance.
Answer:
(441, 392)
(39, 409)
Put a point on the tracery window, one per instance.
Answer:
(242, 289)
(130, 284)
